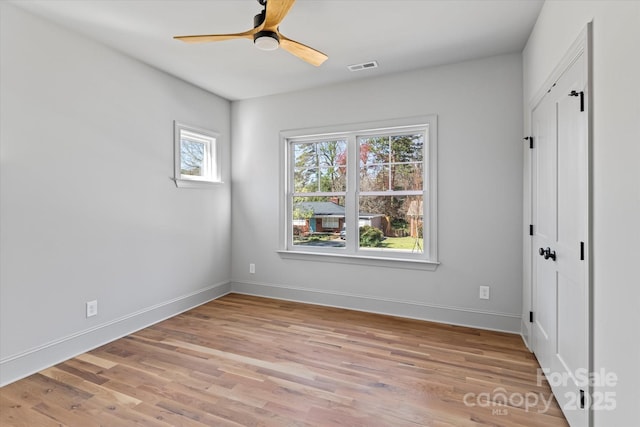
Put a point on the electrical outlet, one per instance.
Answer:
(252, 268)
(92, 308)
(484, 292)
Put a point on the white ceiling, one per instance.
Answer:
(399, 34)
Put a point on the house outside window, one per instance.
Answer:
(362, 192)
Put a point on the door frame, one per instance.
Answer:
(583, 45)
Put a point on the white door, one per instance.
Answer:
(560, 257)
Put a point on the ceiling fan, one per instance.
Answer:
(266, 34)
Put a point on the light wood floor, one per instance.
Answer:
(248, 361)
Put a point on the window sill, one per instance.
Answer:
(412, 264)
(192, 183)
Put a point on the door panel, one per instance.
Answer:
(544, 218)
(545, 142)
(560, 212)
(570, 355)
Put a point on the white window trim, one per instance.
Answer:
(349, 254)
(210, 138)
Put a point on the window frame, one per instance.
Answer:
(211, 160)
(352, 253)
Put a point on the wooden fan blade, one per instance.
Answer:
(218, 37)
(306, 53)
(276, 11)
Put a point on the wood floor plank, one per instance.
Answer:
(14, 413)
(249, 361)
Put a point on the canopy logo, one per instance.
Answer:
(590, 393)
(499, 401)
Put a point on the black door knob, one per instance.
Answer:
(550, 254)
(547, 253)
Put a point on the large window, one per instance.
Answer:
(362, 192)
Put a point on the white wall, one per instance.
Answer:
(87, 209)
(616, 178)
(478, 104)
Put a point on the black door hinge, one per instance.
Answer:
(530, 229)
(581, 399)
(530, 139)
(581, 95)
(581, 251)
(531, 317)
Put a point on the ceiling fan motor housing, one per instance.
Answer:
(264, 40)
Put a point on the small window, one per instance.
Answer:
(331, 223)
(196, 156)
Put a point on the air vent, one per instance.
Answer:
(363, 66)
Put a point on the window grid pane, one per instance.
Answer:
(318, 221)
(391, 223)
(320, 166)
(192, 157)
(391, 162)
(196, 155)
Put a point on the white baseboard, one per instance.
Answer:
(503, 322)
(525, 332)
(28, 362)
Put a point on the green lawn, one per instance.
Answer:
(406, 243)
(401, 243)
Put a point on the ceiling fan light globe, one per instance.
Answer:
(266, 42)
